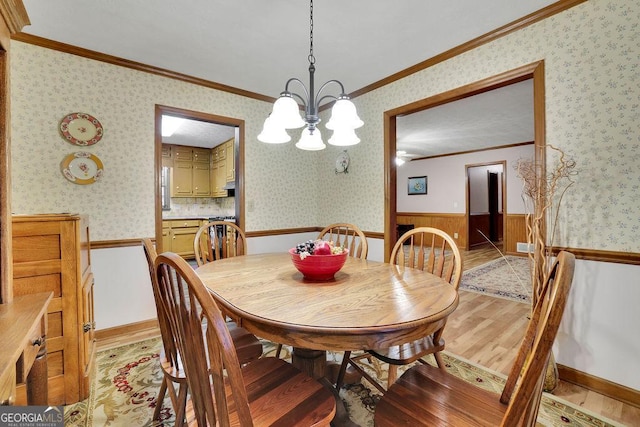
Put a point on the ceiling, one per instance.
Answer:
(196, 133)
(496, 118)
(257, 45)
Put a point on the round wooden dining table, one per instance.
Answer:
(367, 305)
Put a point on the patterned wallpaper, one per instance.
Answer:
(592, 86)
(46, 85)
(592, 67)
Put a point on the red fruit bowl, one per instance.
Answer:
(318, 267)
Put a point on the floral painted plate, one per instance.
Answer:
(82, 168)
(81, 129)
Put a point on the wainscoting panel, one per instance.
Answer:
(516, 231)
(450, 223)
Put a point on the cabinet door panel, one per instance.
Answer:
(182, 242)
(201, 181)
(230, 162)
(182, 179)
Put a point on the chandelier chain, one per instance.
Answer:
(312, 59)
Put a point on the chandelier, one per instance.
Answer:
(286, 112)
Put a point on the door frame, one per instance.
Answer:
(533, 71)
(239, 160)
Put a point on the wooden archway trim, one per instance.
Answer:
(533, 71)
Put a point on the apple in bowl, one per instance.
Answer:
(318, 260)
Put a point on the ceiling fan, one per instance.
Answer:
(403, 157)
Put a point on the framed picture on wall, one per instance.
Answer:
(417, 185)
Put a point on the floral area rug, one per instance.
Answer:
(506, 277)
(128, 378)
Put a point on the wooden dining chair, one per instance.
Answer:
(348, 236)
(209, 245)
(247, 345)
(433, 251)
(427, 396)
(268, 391)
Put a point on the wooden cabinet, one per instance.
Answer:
(218, 179)
(201, 179)
(222, 168)
(201, 155)
(181, 153)
(230, 160)
(182, 179)
(51, 253)
(180, 236)
(23, 328)
(190, 171)
(166, 235)
(200, 172)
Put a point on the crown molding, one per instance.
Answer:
(114, 60)
(14, 15)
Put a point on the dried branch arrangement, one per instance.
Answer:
(542, 194)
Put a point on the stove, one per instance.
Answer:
(220, 231)
(223, 218)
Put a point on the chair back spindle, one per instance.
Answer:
(209, 246)
(349, 236)
(431, 250)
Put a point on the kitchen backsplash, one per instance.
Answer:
(191, 206)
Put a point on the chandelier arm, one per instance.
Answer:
(297, 80)
(304, 102)
(324, 97)
(318, 98)
(304, 88)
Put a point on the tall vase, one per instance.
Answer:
(551, 376)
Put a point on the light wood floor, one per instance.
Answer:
(487, 330)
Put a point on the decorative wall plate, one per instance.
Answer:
(81, 129)
(342, 162)
(82, 168)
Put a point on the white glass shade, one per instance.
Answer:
(311, 141)
(344, 137)
(344, 115)
(272, 134)
(286, 113)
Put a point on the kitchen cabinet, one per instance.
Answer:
(230, 160)
(166, 236)
(51, 253)
(222, 168)
(201, 179)
(218, 179)
(182, 179)
(200, 172)
(181, 234)
(201, 155)
(181, 153)
(167, 160)
(190, 172)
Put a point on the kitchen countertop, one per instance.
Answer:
(183, 217)
(179, 217)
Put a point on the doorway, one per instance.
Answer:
(534, 71)
(486, 204)
(207, 122)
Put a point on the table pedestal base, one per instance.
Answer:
(314, 363)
